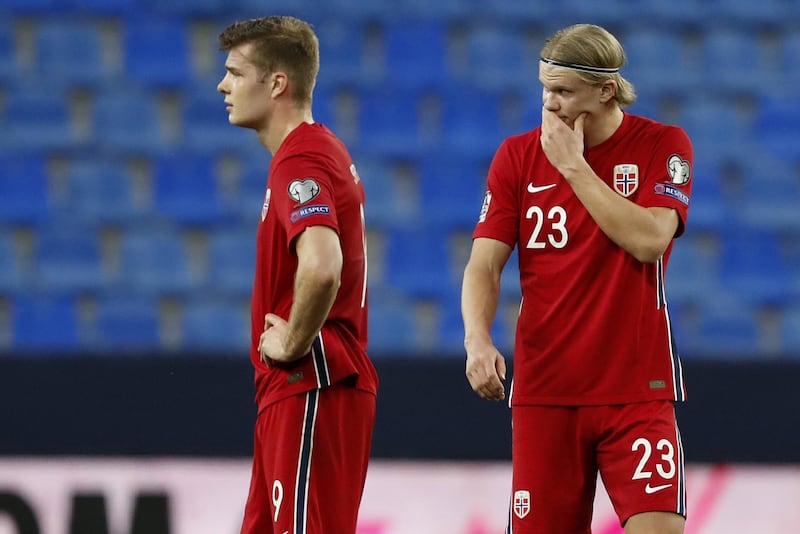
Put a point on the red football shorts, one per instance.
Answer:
(558, 451)
(310, 463)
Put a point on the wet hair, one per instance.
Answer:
(279, 43)
(596, 50)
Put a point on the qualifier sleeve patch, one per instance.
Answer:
(671, 191)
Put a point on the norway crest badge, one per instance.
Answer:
(626, 178)
(522, 503)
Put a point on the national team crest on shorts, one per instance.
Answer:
(626, 178)
(522, 503)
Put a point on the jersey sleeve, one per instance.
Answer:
(499, 214)
(304, 185)
(669, 183)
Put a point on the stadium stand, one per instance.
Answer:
(120, 174)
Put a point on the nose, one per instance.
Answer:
(549, 100)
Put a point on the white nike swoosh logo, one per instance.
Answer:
(535, 189)
(653, 489)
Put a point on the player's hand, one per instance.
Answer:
(271, 345)
(563, 145)
(486, 370)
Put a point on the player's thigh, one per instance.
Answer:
(641, 460)
(315, 449)
(554, 472)
(655, 523)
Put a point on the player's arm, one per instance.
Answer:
(645, 233)
(317, 280)
(480, 293)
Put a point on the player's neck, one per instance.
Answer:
(281, 125)
(604, 127)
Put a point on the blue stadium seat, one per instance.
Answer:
(657, 62)
(30, 7)
(68, 259)
(751, 16)
(392, 326)
(777, 127)
(252, 189)
(389, 123)
(69, 52)
(770, 195)
(497, 59)
(514, 12)
(751, 262)
(416, 55)
(184, 8)
(126, 323)
(789, 61)
(707, 120)
(9, 66)
(157, 51)
(345, 57)
(37, 119)
(185, 189)
(100, 190)
(472, 124)
(11, 271)
(391, 191)
(731, 56)
(231, 260)
(708, 209)
(215, 325)
(693, 268)
(418, 262)
(127, 122)
(24, 192)
(100, 7)
(452, 190)
(155, 262)
(46, 324)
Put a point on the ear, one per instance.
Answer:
(608, 90)
(278, 84)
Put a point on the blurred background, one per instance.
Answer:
(128, 209)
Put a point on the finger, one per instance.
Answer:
(500, 367)
(579, 122)
(271, 319)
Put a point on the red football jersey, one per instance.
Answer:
(312, 181)
(593, 325)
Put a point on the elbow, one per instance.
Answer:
(649, 254)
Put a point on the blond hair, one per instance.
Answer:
(591, 46)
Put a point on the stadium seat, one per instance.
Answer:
(38, 119)
(186, 190)
(212, 326)
(416, 55)
(70, 52)
(44, 323)
(126, 324)
(24, 191)
(777, 127)
(67, 259)
(657, 62)
(731, 56)
(452, 190)
(391, 190)
(184, 8)
(751, 262)
(770, 195)
(472, 124)
(389, 123)
(11, 272)
(417, 261)
(9, 66)
(157, 51)
(708, 209)
(790, 330)
(100, 190)
(154, 262)
(693, 268)
(346, 59)
(231, 260)
(128, 122)
(392, 326)
(498, 59)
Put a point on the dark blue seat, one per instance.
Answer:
(777, 127)
(652, 53)
(206, 127)
(417, 261)
(9, 66)
(155, 261)
(100, 190)
(157, 51)
(215, 325)
(472, 124)
(392, 326)
(68, 259)
(24, 191)
(186, 190)
(416, 55)
(790, 330)
(389, 123)
(497, 58)
(127, 121)
(70, 52)
(126, 323)
(770, 195)
(38, 119)
(453, 190)
(346, 55)
(45, 324)
(391, 190)
(731, 56)
(11, 271)
(751, 261)
(231, 260)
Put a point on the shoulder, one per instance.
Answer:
(645, 126)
